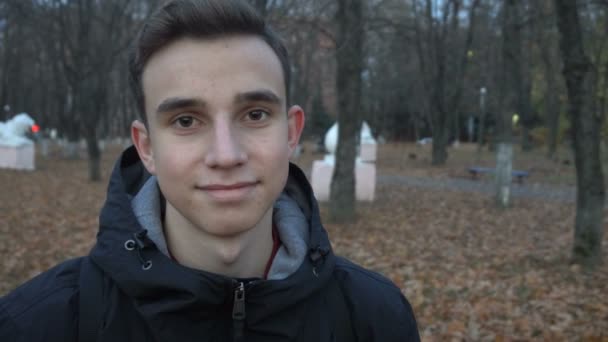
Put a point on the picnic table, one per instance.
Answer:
(476, 171)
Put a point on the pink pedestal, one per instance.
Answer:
(365, 180)
(19, 157)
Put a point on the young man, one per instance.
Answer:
(208, 232)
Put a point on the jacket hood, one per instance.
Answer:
(163, 290)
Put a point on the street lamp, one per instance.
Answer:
(482, 111)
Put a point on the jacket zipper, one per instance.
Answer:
(238, 313)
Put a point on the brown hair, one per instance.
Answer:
(198, 19)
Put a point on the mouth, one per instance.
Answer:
(233, 192)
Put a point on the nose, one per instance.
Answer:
(225, 149)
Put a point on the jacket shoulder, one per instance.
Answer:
(44, 308)
(379, 310)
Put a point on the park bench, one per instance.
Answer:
(476, 171)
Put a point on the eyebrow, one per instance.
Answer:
(260, 95)
(174, 103)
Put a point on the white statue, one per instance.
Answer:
(12, 132)
(331, 138)
(365, 167)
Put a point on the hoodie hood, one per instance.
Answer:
(134, 257)
(292, 226)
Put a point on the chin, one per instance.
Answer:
(229, 228)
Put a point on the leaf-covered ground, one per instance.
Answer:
(471, 272)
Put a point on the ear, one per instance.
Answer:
(295, 125)
(141, 140)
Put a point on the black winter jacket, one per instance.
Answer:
(170, 302)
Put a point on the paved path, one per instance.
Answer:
(526, 190)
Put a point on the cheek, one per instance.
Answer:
(264, 143)
(277, 163)
(274, 153)
(170, 160)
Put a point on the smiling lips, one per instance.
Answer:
(229, 192)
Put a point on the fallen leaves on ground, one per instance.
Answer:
(474, 272)
(471, 272)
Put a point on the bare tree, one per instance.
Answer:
(510, 94)
(443, 65)
(87, 37)
(6, 59)
(545, 36)
(350, 66)
(578, 73)
(523, 66)
(17, 53)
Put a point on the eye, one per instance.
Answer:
(185, 121)
(257, 115)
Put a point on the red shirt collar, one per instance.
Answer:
(276, 243)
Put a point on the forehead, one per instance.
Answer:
(196, 67)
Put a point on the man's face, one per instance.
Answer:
(218, 137)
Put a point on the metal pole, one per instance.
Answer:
(482, 114)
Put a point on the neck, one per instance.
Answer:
(240, 256)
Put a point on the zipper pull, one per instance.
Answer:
(238, 312)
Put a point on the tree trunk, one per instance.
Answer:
(525, 110)
(440, 139)
(524, 86)
(4, 95)
(526, 142)
(545, 39)
(350, 64)
(509, 100)
(72, 133)
(457, 127)
(551, 104)
(552, 111)
(94, 153)
(94, 159)
(586, 125)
